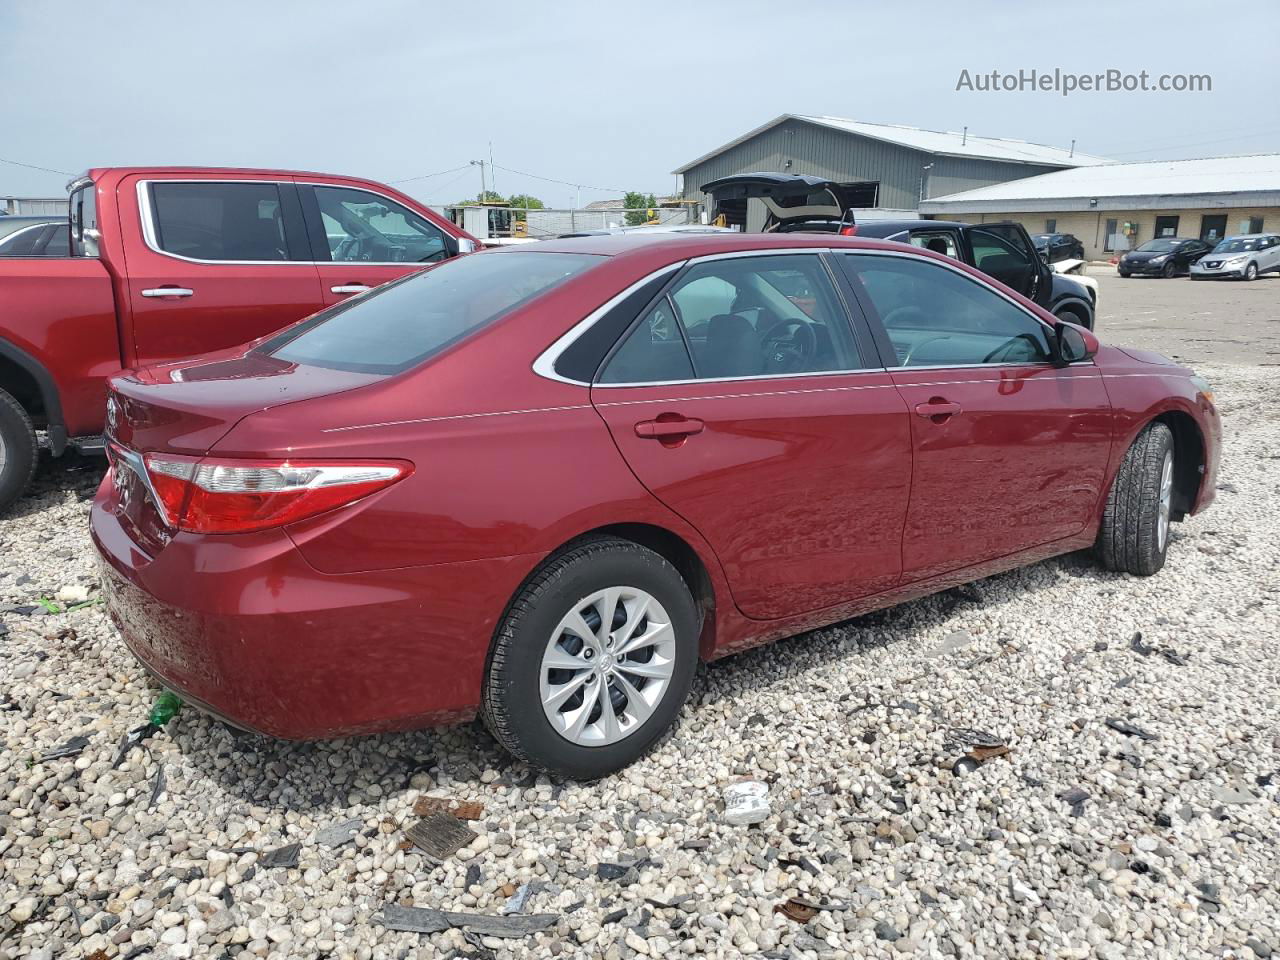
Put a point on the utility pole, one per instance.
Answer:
(484, 189)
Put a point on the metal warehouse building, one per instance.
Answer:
(1117, 206)
(899, 165)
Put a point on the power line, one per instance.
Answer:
(32, 166)
(428, 176)
(566, 183)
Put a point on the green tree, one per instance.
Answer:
(638, 206)
(488, 196)
(525, 201)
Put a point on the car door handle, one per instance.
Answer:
(668, 429)
(937, 409)
(168, 292)
(349, 288)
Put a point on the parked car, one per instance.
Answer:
(649, 228)
(1245, 257)
(1056, 247)
(34, 236)
(1163, 257)
(543, 482)
(172, 262)
(803, 204)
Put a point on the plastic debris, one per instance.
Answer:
(746, 802)
(517, 901)
(796, 909)
(338, 834)
(131, 740)
(440, 835)
(286, 856)
(426, 920)
(1075, 798)
(1129, 729)
(69, 749)
(465, 810)
(157, 786)
(163, 710)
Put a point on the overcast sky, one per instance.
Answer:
(612, 95)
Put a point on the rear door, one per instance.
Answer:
(362, 239)
(213, 263)
(746, 402)
(1009, 451)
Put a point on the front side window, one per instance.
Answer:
(403, 323)
(219, 221)
(362, 226)
(934, 316)
(939, 241)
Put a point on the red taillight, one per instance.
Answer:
(849, 231)
(211, 495)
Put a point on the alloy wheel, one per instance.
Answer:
(607, 666)
(1166, 500)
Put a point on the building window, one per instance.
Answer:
(1108, 239)
(1251, 225)
(1051, 226)
(1166, 226)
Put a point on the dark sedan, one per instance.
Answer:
(1056, 247)
(1164, 257)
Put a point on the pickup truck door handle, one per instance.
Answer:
(668, 429)
(937, 409)
(349, 288)
(169, 291)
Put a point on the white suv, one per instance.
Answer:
(1245, 256)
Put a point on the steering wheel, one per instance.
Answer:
(789, 352)
(1005, 352)
(903, 315)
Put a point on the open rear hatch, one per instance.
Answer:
(791, 201)
(184, 409)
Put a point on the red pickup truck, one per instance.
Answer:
(169, 262)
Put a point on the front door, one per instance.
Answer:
(213, 264)
(746, 402)
(1213, 227)
(362, 239)
(1004, 251)
(1010, 452)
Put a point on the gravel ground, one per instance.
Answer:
(1083, 841)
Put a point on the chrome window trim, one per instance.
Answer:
(149, 230)
(544, 365)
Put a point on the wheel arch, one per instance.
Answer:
(1188, 458)
(1079, 310)
(28, 382)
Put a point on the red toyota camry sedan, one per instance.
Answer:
(541, 483)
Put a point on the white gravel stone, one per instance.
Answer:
(854, 727)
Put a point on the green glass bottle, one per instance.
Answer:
(166, 705)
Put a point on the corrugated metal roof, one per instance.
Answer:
(943, 143)
(1256, 173)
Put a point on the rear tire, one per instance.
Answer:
(1134, 535)
(524, 703)
(18, 451)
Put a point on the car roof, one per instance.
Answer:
(682, 246)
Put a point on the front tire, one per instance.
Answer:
(1169, 271)
(1251, 272)
(587, 706)
(1134, 535)
(1123, 273)
(18, 451)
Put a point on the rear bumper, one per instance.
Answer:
(245, 628)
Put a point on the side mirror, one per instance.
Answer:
(1075, 343)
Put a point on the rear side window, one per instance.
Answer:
(401, 324)
(220, 221)
(653, 352)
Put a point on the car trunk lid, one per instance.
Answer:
(185, 409)
(789, 199)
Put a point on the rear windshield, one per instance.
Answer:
(399, 325)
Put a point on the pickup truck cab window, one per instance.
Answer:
(362, 226)
(935, 316)
(221, 220)
(84, 221)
